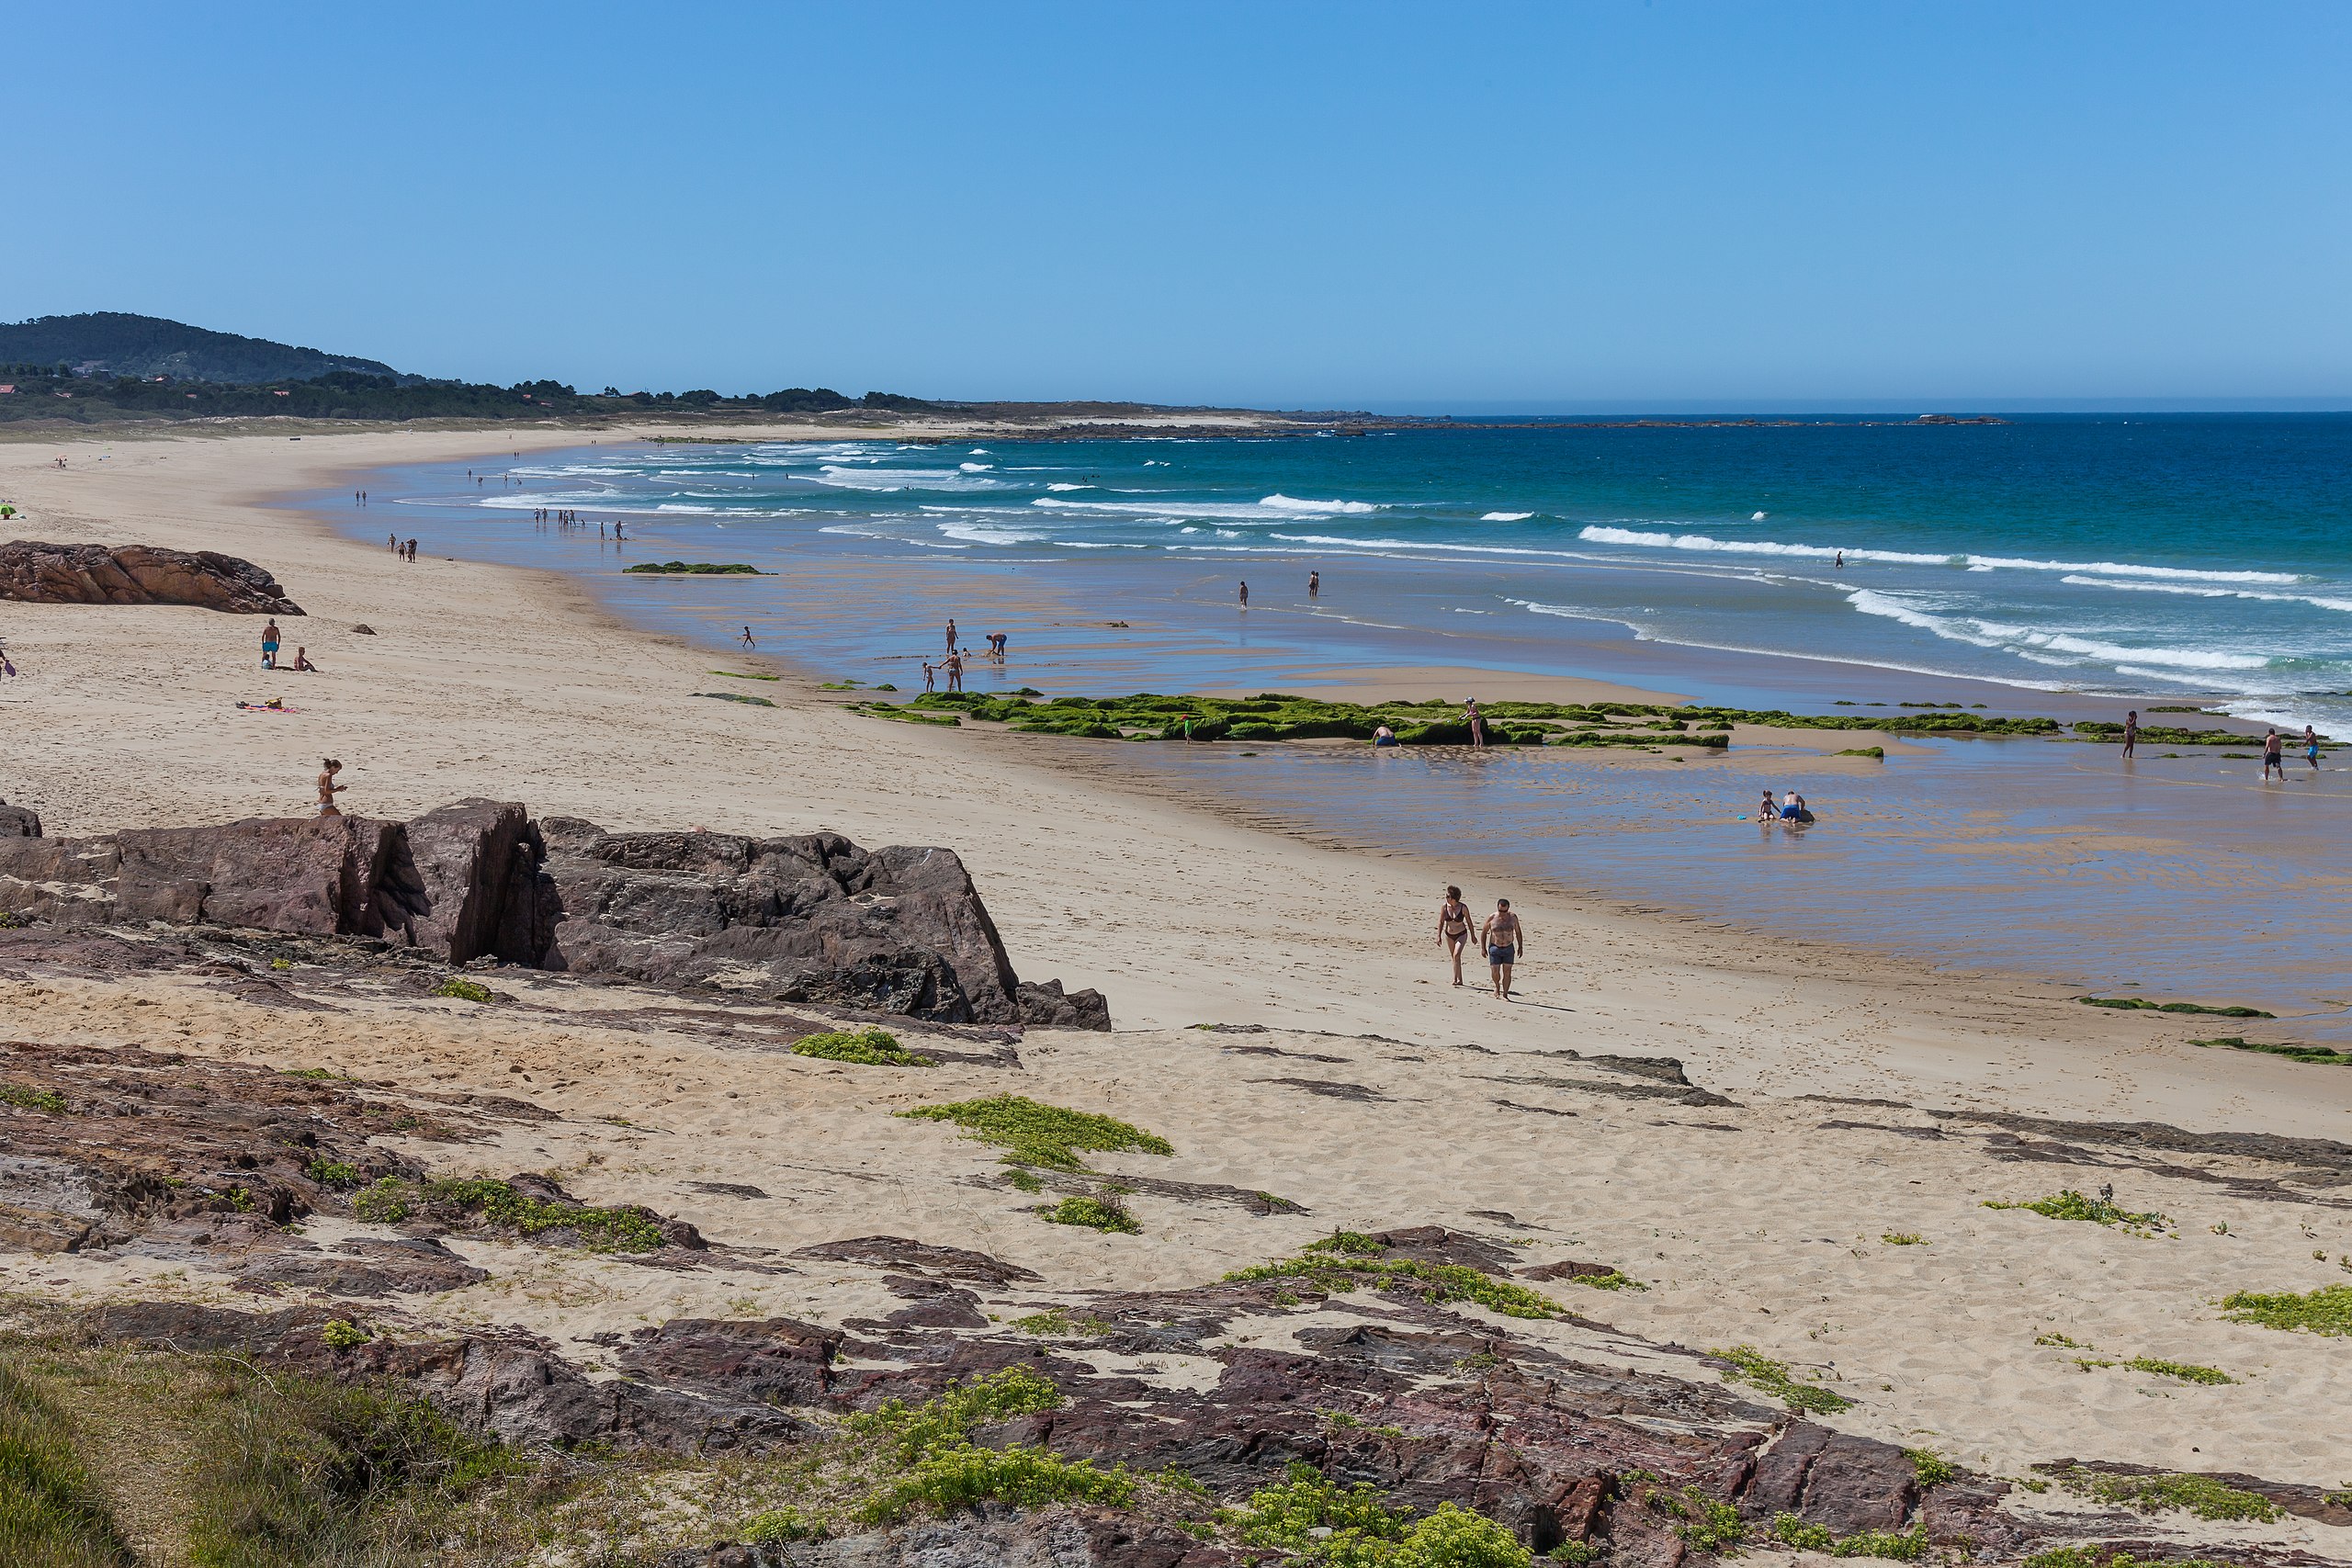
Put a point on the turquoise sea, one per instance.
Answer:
(2056, 564)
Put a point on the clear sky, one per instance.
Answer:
(1436, 206)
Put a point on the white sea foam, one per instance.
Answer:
(976, 468)
(1059, 485)
(1606, 536)
(988, 533)
(1280, 502)
(2042, 647)
(2321, 600)
(978, 452)
(898, 479)
(1506, 517)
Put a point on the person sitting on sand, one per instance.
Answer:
(302, 664)
(328, 788)
(269, 645)
(1769, 811)
(1505, 939)
(1383, 736)
(1453, 928)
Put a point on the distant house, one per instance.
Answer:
(9, 386)
(281, 394)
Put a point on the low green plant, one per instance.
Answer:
(340, 1333)
(1796, 1534)
(2185, 1370)
(1930, 1469)
(2198, 1494)
(2107, 1557)
(384, 1202)
(867, 1047)
(1577, 1552)
(2327, 1310)
(1615, 1280)
(332, 1173)
(1023, 1182)
(946, 1419)
(1875, 753)
(1037, 1134)
(322, 1072)
(2060, 1340)
(1904, 1238)
(1350, 1260)
(281, 964)
(2069, 1205)
(1060, 1321)
(1759, 1371)
(776, 1526)
(1323, 1524)
(1900, 1546)
(600, 1229)
(1104, 1212)
(460, 989)
(1023, 1477)
(743, 697)
(26, 1098)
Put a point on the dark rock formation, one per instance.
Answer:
(138, 574)
(813, 919)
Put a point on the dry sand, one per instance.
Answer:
(1752, 1223)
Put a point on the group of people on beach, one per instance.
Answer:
(1503, 936)
(1314, 588)
(2274, 747)
(271, 640)
(1790, 809)
(404, 549)
(957, 656)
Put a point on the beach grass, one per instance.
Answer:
(1759, 1371)
(865, 1047)
(2327, 1310)
(1038, 1134)
(2198, 1495)
(1349, 1260)
(2069, 1205)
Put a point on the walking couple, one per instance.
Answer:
(1503, 935)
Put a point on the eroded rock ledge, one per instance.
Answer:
(811, 917)
(35, 573)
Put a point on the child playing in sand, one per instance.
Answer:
(328, 788)
(302, 660)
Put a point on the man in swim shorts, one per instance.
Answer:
(2274, 755)
(1505, 942)
(2311, 746)
(269, 645)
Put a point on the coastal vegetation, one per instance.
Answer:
(2069, 1205)
(1104, 1211)
(1037, 1134)
(865, 1047)
(1761, 1372)
(1351, 1260)
(459, 988)
(2198, 1494)
(743, 697)
(2327, 1310)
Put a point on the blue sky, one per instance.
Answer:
(1439, 207)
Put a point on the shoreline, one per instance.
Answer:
(1011, 851)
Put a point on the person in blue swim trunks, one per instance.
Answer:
(1505, 939)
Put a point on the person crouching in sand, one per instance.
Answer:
(328, 788)
(1505, 939)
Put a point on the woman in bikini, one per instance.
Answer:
(1453, 928)
(328, 788)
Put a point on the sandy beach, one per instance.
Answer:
(1844, 1099)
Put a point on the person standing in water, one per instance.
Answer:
(950, 635)
(1453, 928)
(1478, 722)
(747, 639)
(1505, 939)
(2130, 731)
(1245, 593)
(2274, 755)
(2311, 746)
(1315, 588)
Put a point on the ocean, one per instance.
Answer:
(2069, 565)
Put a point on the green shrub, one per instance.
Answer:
(1758, 1371)
(341, 1334)
(600, 1230)
(1901, 1546)
(1103, 1213)
(1904, 1238)
(1615, 1280)
(777, 1526)
(1340, 1263)
(383, 1203)
(1796, 1534)
(1039, 1133)
(332, 1173)
(26, 1098)
(1023, 1477)
(2198, 1494)
(1285, 1517)
(1930, 1469)
(461, 989)
(2069, 1205)
(1060, 1321)
(2327, 1310)
(946, 1419)
(867, 1047)
(2185, 1370)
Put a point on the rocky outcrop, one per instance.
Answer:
(36, 573)
(812, 918)
(18, 821)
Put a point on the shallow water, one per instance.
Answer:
(2184, 876)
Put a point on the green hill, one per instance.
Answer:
(112, 343)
